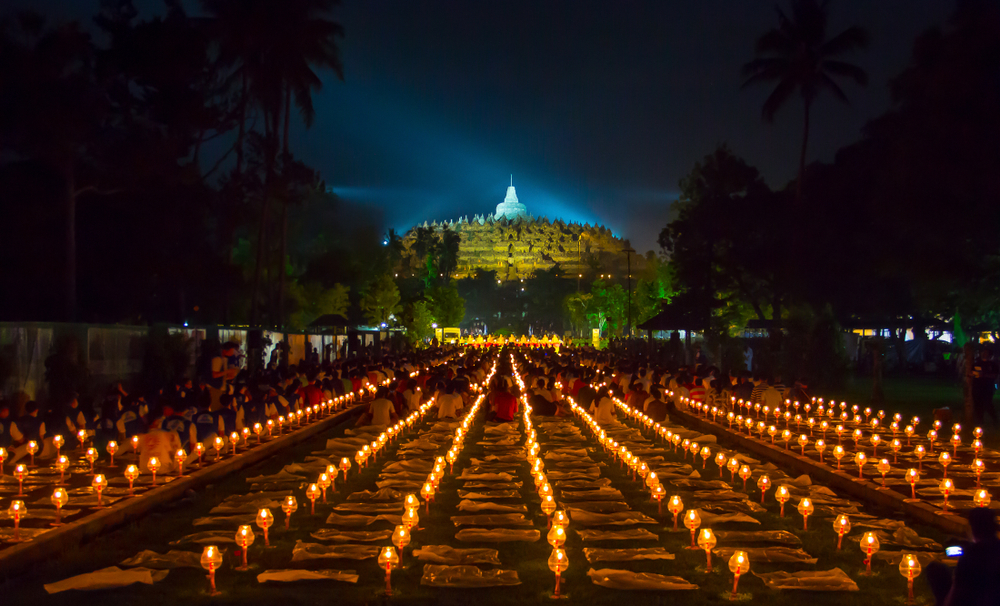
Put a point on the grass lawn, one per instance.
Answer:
(916, 395)
(910, 395)
(186, 586)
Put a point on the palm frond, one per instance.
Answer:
(847, 70)
(852, 38)
(767, 65)
(777, 98)
(838, 92)
(776, 42)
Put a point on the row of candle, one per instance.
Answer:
(60, 497)
(981, 497)
(558, 521)
(388, 558)
(869, 544)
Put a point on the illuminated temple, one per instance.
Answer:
(515, 244)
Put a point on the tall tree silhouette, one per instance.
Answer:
(274, 48)
(800, 58)
(53, 111)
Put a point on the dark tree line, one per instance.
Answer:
(147, 168)
(901, 225)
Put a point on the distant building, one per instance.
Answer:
(515, 244)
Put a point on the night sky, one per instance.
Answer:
(597, 108)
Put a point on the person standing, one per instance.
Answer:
(215, 380)
(984, 383)
(976, 582)
(748, 358)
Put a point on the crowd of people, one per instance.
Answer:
(221, 399)
(224, 397)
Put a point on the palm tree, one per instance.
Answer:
(394, 243)
(451, 242)
(799, 57)
(307, 40)
(273, 48)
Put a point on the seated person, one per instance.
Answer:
(381, 411)
(603, 408)
(160, 444)
(505, 403)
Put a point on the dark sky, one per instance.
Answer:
(597, 108)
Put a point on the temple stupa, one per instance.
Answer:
(510, 207)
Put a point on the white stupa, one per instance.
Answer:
(510, 207)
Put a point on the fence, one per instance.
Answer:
(115, 353)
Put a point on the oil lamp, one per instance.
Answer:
(707, 541)
(739, 564)
(782, 495)
(764, 484)
(180, 456)
(59, 498)
(556, 536)
(946, 487)
(427, 492)
(692, 521)
(324, 483)
(312, 493)
(805, 508)
(883, 468)
(838, 453)
(944, 459)
(675, 506)
(20, 471)
(720, 460)
(557, 564)
(131, 473)
(842, 525)
(211, 559)
(264, 520)
(17, 510)
(745, 474)
(401, 538)
(411, 518)
(909, 567)
(913, 476)
(153, 464)
(244, 538)
(32, 448)
(820, 447)
(99, 483)
(91, 456)
(62, 464)
(289, 506)
(869, 545)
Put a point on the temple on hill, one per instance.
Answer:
(515, 244)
